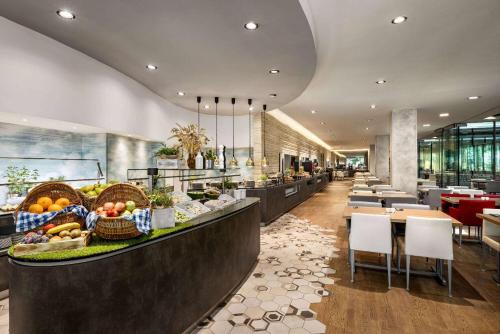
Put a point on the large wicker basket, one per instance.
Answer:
(116, 228)
(87, 201)
(54, 190)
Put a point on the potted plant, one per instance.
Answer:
(191, 139)
(163, 215)
(167, 157)
(210, 156)
(229, 186)
(18, 180)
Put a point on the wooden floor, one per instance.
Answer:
(367, 306)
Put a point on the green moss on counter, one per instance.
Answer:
(100, 246)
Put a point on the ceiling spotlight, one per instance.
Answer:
(250, 108)
(24, 119)
(426, 125)
(399, 19)
(66, 14)
(444, 114)
(73, 127)
(323, 123)
(274, 71)
(369, 120)
(273, 95)
(251, 25)
(313, 111)
(373, 106)
(181, 93)
(366, 128)
(434, 137)
(207, 106)
(380, 82)
(151, 67)
(490, 118)
(473, 97)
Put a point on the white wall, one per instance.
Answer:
(41, 77)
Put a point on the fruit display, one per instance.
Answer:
(53, 233)
(118, 209)
(212, 193)
(46, 204)
(196, 194)
(93, 190)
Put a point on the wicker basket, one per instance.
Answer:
(117, 228)
(54, 190)
(87, 201)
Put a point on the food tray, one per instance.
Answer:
(227, 199)
(30, 249)
(192, 209)
(179, 197)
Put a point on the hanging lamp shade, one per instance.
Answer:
(249, 162)
(233, 163)
(264, 159)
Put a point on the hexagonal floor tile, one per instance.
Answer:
(269, 306)
(282, 300)
(278, 328)
(314, 326)
(221, 327)
(237, 298)
(265, 296)
(312, 298)
(239, 319)
(322, 292)
(305, 289)
(236, 308)
(258, 324)
(300, 303)
(306, 314)
(272, 316)
(252, 302)
(290, 287)
(293, 321)
(288, 310)
(255, 312)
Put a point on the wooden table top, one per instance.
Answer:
(492, 219)
(400, 216)
(382, 196)
(456, 200)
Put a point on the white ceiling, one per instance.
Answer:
(446, 51)
(199, 46)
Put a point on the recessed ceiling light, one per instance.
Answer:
(366, 128)
(73, 127)
(380, 82)
(369, 120)
(250, 108)
(181, 93)
(66, 14)
(399, 19)
(490, 117)
(273, 95)
(129, 135)
(313, 111)
(426, 125)
(444, 114)
(373, 106)
(274, 71)
(323, 123)
(24, 119)
(207, 106)
(251, 25)
(151, 67)
(434, 137)
(473, 97)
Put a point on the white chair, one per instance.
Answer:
(470, 192)
(364, 204)
(411, 206)
(491, 239)
(430, 238)
(433, 197)
(457, 187)
(382, 187)
(363, 229)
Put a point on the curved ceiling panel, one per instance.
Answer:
(200, 47)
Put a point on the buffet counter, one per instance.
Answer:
(164, 285)
(278, 199)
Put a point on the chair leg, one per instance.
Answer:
(484, 253)
(399, 258)
(408, 272)
(450, 269)
(389, 260)
(352, 265)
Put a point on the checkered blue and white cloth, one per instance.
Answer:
(142, 220)
(27, 221)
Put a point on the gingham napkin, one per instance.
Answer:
(27, 221)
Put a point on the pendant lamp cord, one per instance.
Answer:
(233, 101)
(264, 130)
(216, 124)
(249, 129)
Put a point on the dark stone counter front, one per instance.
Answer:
(166, 285)
(276, 200)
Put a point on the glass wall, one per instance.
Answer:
(461, 152)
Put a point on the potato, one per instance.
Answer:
(67, 238)
(64, 233)
(75, 233)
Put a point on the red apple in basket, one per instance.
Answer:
(120, 206)
(99, 210)
(108, 206)
(112, 213)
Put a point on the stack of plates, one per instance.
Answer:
(5, 241)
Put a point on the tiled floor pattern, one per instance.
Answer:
(292, 273)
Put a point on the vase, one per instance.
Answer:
(163, 218)
(210, 164)
(191, 161)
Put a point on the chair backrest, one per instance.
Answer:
(491, 229)
(411, 206)
(363, 229)
(373, 182)
(492, 187)
(390, 201)
(364, 204)
(469, 208)
(362, 188)
(470, 191)
(434, 197)
(487, 195)
(457, 187)
(429, 237)
(363, 198)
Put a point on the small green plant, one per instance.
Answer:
(160, 199)
(210, 155)
(263, 177)
(59, 178)
(166, 151)
(18, 179)
(228, 184)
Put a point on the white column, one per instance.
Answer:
(371, 159)
(404, 150)
(382, 154)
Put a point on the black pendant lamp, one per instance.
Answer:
(249, 162)
(233, 163)
(198, 100)
(264, 160)
(216, 162)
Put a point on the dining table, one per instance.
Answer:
(455, 201)
(495, 220)
(381, 195)
(399, 217)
